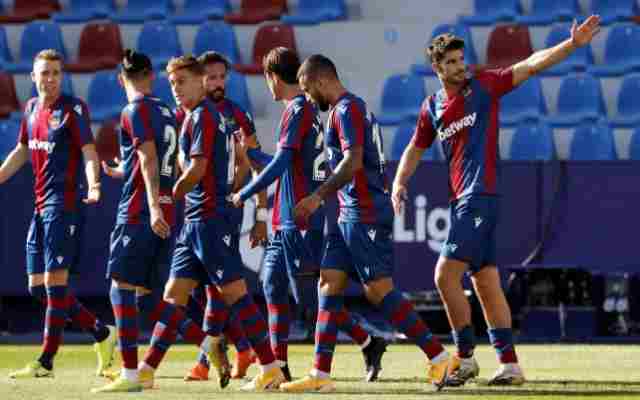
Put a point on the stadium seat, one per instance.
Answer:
(9, 100)
(459, 30)
(508, 44)
(162, 89)
(85, 10)
(621, 53)
(159, 40)
(67, 86)
(311, 12)
(402, 97)
(8, 137)
(199, 11)
(577, 61)
(217, 36)
(236, 89)
(628, 105)
(105, 97)
(593, 141)
(579, 98)
(28, 10)
(487, 12)
(100, 47)
(139, 11)
(611, 11)
(532, 142)
(256, 11)
(401, 139)
(5, 53)
(268, 37)
(545, 12)
(36, 36)
(634, 146)
(525, 103)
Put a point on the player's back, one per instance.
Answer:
(146, 119)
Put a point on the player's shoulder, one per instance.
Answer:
(74, 104)
(348, 103)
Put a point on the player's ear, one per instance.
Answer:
(436, 67)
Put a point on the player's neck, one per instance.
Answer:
(48, 101)
(193, 104)
(136, 92)
(452, 89)
(336, 93)
(289, 92)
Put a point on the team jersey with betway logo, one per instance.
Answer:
(467, 127)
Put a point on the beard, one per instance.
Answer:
(217, 94)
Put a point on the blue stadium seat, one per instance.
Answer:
(8, 136)
(162, 89)
(621, 53)
(5, 53)
(217, 36)
(533, 142)
(402, 97)
(579, 98)
(105, 97)
(85, 10)
(159, 40)
(459, 30)
(634, 146)
(577, 61)
(628, 105)
(488, 12)
(315, 11)
(236, 89)
(139, 11)
(199, 11)
(37, 35)
(593, 141)
(525, 103)
(545, 12)
(67, 86)
(401, 139)
(614, 10)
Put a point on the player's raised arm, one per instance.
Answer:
(581, 35)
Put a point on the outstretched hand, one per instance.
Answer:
(582, 34)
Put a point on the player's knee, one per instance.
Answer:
(176, 293)
(56, 278)
(331, 285)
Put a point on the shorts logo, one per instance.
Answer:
(60, 259)
(367, 270)
(303, 233)
(227, 240)
(126, 240)
(297, 263)
(452, 247)
(372, 234)
(72, 230)
(477, 221)
(219, 273)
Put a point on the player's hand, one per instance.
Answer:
(236, 200)
(93, 194)
(114, 172)
(158, 225)
(398, 197)
(581, 35)
(307, 206)
(247, 141)
(258, 234)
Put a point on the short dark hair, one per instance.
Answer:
(441, 44)
(213, 57)
(318, 65)
(187, 62)
(282, 62)
(135, 65)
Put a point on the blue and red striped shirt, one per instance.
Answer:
(467, 127)
(56, 135)
(146, 119)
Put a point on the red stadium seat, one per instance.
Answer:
(100, 48)
(267, 38)
(507, 45)
(256, 11)
(9, 99)
(28, 10)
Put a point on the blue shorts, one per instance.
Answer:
(138, 256)
(363, 251)
(288, 252)
(53, 241)
(205, 252)
(472, 236)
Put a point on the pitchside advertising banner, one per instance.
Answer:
(584, 214)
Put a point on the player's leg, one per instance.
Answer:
(244, 354)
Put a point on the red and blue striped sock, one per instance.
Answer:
(403, 317)
(234, 334)
(125, 312)
(329, 313)
(279, 320)
(85, 319)
(502, 341)
(350, 326)
(54, 322)
(215, 317)
(254, 327)
(465, 341)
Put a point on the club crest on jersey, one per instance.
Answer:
(219, 273)
(54, 120)
(126, 240)
(72, 230)
(372, 234)
(456, 126)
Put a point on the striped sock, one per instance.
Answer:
(125, 312)
(86, 320)
(164, 332)
(350, 326)
(465, 341)
(215, 316)
(502, 341)
(254, 327)
(234, 334)
(54, 323)
(279, 328)
(329, 312)
(402, 316)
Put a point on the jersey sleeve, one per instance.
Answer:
(245, 121)
(350, 125)
(296, 122)
(140, 125)
(203, 126)
(497, 81)
(80, 126)
(424, 134)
